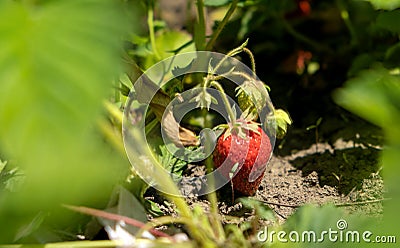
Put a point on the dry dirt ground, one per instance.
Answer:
(342, 169)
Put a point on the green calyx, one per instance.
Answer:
(251, 96)
(282, 120)
(240, 127)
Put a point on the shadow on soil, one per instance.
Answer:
(344, 169)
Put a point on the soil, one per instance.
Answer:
(342, 168)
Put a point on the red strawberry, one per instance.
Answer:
(252, 150)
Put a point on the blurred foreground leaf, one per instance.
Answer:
(166, 43)
(385, 4)
(57, 61)
(375, 95)
(389, 20)
(216, 3)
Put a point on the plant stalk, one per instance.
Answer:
(301, 37)
(200, 28)
(212, 197)
(228, 108)
(252, 60)
(346, 18)
(150, 23)
(221, 26)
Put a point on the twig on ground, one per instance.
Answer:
(337, 205)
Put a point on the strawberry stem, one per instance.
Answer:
(252, 60)
(223, 23)
(231, 53)
(150, 23)
(228, 107)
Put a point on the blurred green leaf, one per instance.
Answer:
(125, 90)
(129, 206)
(11, 179)
(31, 227)
(374, 95)
(167, 42)
(2, 165)
(279, 7)
(360, 62)
(283, 120)
(392, 55)
(389, 20)
(216, 3)
(57, 62)
(385, 4)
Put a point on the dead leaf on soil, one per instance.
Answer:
(144, 89)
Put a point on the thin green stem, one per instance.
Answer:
(166, 183)
(111, 136)
(237, 50)
(164, 220)
(113, 111)
(346, 18)
(200, 28)
(150, 23)
(221, 26)
(228, 108)
(243, 75)
(229, 54)
(212, 197)
(252, 60)
(301, 37)
(117, 94)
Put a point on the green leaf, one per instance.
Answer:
(318, 121)
(10, 179)
(374, 95)
(261, 210)
(2, 166)
(389, 20)
(57, 62)
(216, 3)
(392, 55)
(31, 227)
(153, 208)
(123, 89)
(280, 7)
(167, 42)
(283, 120)
(360, 62)
(385, 4)
(170, 162)
(127, 206)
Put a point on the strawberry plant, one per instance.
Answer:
(86, 86)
